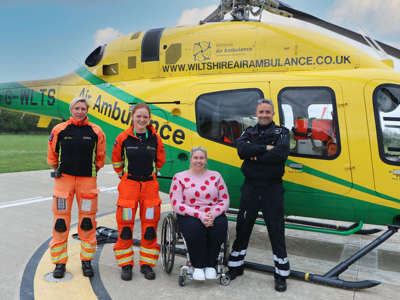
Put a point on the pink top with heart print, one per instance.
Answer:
(195, 195)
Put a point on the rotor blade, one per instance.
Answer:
(215, 16)
(335, 28)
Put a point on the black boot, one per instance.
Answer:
(235, 272)
(126, 272)
(87, 268)
(148, 272)
(59, 271)
(280, 284)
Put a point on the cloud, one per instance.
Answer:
(195, 15)
(378, 17)
(105, 36)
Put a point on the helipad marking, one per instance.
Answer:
(41, 199)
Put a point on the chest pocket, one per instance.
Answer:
(141, 151)
(77, 143)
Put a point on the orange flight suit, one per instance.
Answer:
(137, 160)
(76, 149)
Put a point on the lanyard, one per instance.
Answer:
(147, 134)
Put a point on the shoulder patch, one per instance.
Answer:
(51, 137)
(115, 142)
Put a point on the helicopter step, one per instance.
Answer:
(355, 228)
(333, 226)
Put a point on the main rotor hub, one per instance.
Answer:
(241, 10)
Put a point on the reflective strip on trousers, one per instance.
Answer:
(237, 253)
(123, 251)
(281, 261)
(148, 260)
(59, 248)
(125, 260)
(149, 251)
(235, 263)
(58, 258)
(284, 273)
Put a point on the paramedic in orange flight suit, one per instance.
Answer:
(137, 156)
(76, 151)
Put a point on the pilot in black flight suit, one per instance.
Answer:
(264, 149)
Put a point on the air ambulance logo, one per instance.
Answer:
(202, 51)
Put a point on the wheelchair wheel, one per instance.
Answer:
(225, 280)
(168, 243)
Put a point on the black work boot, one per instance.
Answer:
(235, 272)
(148, 272)
(59, 271)
(280, 284)
(87, 268)
(126, 272)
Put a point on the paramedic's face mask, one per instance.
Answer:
(264, 113)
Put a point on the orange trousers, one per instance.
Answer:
(85, 190)
(131, 194)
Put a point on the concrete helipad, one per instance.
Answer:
(25, 223)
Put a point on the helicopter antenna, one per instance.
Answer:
(241, 10)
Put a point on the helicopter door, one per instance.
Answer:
(317, 169)
(382, 101)
(222, 112)
(163, 126)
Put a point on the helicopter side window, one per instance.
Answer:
(223, 116)
(310, 114)
(387, 118)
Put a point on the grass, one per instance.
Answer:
(24, 152)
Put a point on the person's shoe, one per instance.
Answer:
(87, 269)
(233, 273)
(148, 272)
(126, 273)
(198, 274)
(210, 273)
(59, 271)
(280, 284)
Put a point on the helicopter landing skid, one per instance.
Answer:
(331, 278)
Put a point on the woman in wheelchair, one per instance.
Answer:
(200, 199)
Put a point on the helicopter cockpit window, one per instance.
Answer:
(310, 115)
(387, 118)
(95, 57)
(223, 116)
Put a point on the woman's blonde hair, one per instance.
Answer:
(79, 99)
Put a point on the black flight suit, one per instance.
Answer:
(262, 190)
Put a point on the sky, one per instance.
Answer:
(42, 39)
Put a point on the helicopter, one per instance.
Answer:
(202, 83)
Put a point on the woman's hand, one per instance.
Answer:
(209, 220)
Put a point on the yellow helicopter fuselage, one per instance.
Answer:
(204, 81)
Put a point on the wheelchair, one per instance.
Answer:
(170, 237)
